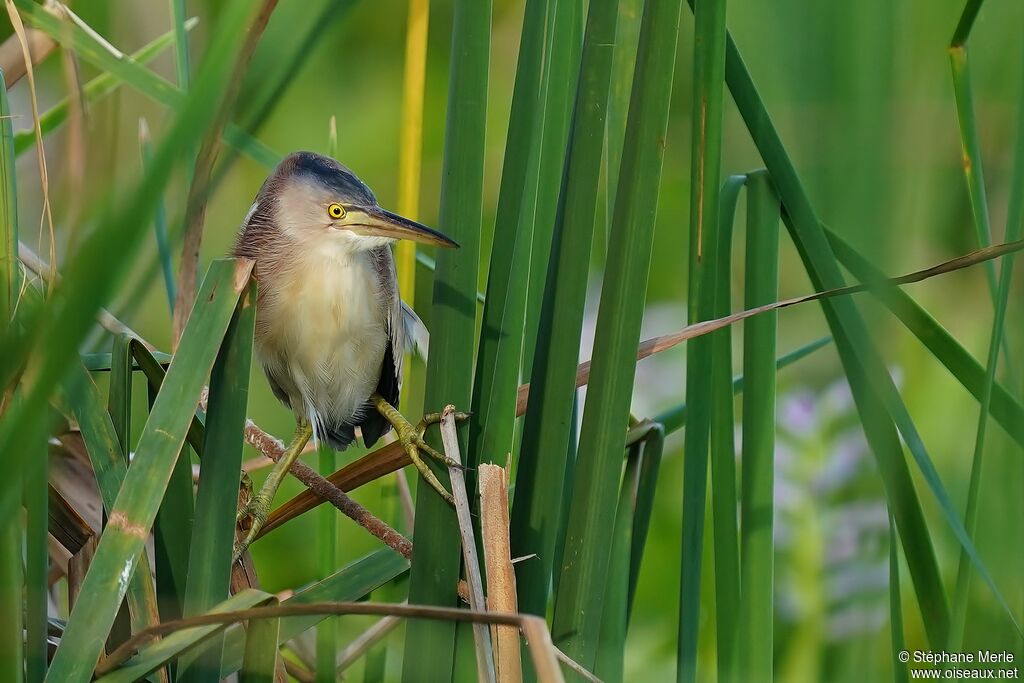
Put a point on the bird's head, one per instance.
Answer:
(317, 198)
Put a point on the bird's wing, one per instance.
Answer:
(390, 382)
(417, 338)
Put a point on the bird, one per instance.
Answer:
(331, 329)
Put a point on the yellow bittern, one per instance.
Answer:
(331, 329)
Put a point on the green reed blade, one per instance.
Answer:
(612, 644)
(11, 651)
(8, 211)
(327, 550)
(430, 646)
(139, 498)
(1014, 220)
(756, 610)
(1006, 410)
(163, 247)
(578, 604)
(352, 582)
(80, 398)
(500, 350)
(119, 393)
(653, 447)
(119, 405)
(170, 647)
(627, 36)
(724, 494)
(37, 561)
(213, 531)
(537, 505)
(963, 94)
(11, 576)
(558, 87)
(130, 72)
(865, 370)
(93, 91)
(181, 60)
(260, 662)
(705, 164)
(151, 365)
(899, 668)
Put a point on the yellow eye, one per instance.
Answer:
(336, 211)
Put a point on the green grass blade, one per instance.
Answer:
(163, 247)
(1014, 219)
(213, 532)
(181, 61)
(963, 94)
(627, 37)
(80, 398)
(899, 668)
(37, 560)
(151, 365)
(578, 605)
(139, 498)
(653, 447)
(430, 646)
(327, 548)
(966, 23)
(558, 88)
(496, 382)
(724, 494)
(537, 505)
(11, 576)
(8, 211)
(352, 582)
(612, 644)
(260, 663)
(85, 45)
(11, 636)
(119, 394)
(170, 647)
(756, 610)
(705, 166)
(93, 91)
(860, 359)
(119, 405)
(1006, 410)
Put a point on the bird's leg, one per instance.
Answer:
(411, 438)
(258, 507)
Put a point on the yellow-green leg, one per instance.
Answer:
(258, 507)
(411, 438)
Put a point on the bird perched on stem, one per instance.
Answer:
(331, 329)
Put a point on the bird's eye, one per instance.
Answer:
(336, 211)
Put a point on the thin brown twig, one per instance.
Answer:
(534, 628)
(195, 208)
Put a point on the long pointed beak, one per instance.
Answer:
(379, 222)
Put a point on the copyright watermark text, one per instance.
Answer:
(976, 665)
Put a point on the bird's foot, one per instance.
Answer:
(411, 438)
(257, 509)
